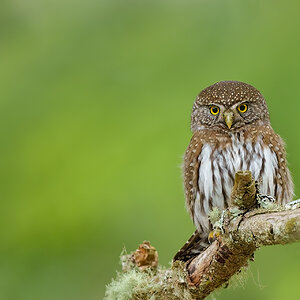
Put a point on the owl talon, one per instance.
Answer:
(218, 228)
(214, 235)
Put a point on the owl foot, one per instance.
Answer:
(218, 228)
(214, 235)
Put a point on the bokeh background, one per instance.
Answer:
(95, 108)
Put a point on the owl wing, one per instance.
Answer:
(191, 171)
(284, 186)
(198, 241)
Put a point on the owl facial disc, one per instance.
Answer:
(229, 106)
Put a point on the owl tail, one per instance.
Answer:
(194, 246)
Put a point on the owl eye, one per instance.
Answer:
(243, 108)
(214, 110)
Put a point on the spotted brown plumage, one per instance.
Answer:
(231, 132)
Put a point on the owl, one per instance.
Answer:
(231, 132)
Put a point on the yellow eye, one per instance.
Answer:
(214, 110)
(242, 108)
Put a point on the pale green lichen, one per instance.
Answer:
(291, 225)
(235, 211)
(214, 215)
(126, 285)
(239, 279)
(126, 262)
(293, 204)
(159, 284)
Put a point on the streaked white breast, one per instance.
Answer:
(217, 170)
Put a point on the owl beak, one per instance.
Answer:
(228, 118)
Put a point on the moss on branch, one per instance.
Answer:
(245, 227)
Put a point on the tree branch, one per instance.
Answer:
(245, 227)
(227, 255)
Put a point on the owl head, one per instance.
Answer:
(229, 106)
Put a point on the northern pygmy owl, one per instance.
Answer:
(231, 132)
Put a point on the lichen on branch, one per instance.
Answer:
(246, 226)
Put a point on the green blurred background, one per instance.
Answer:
(95, 108)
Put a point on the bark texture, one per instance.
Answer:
(244, 234)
